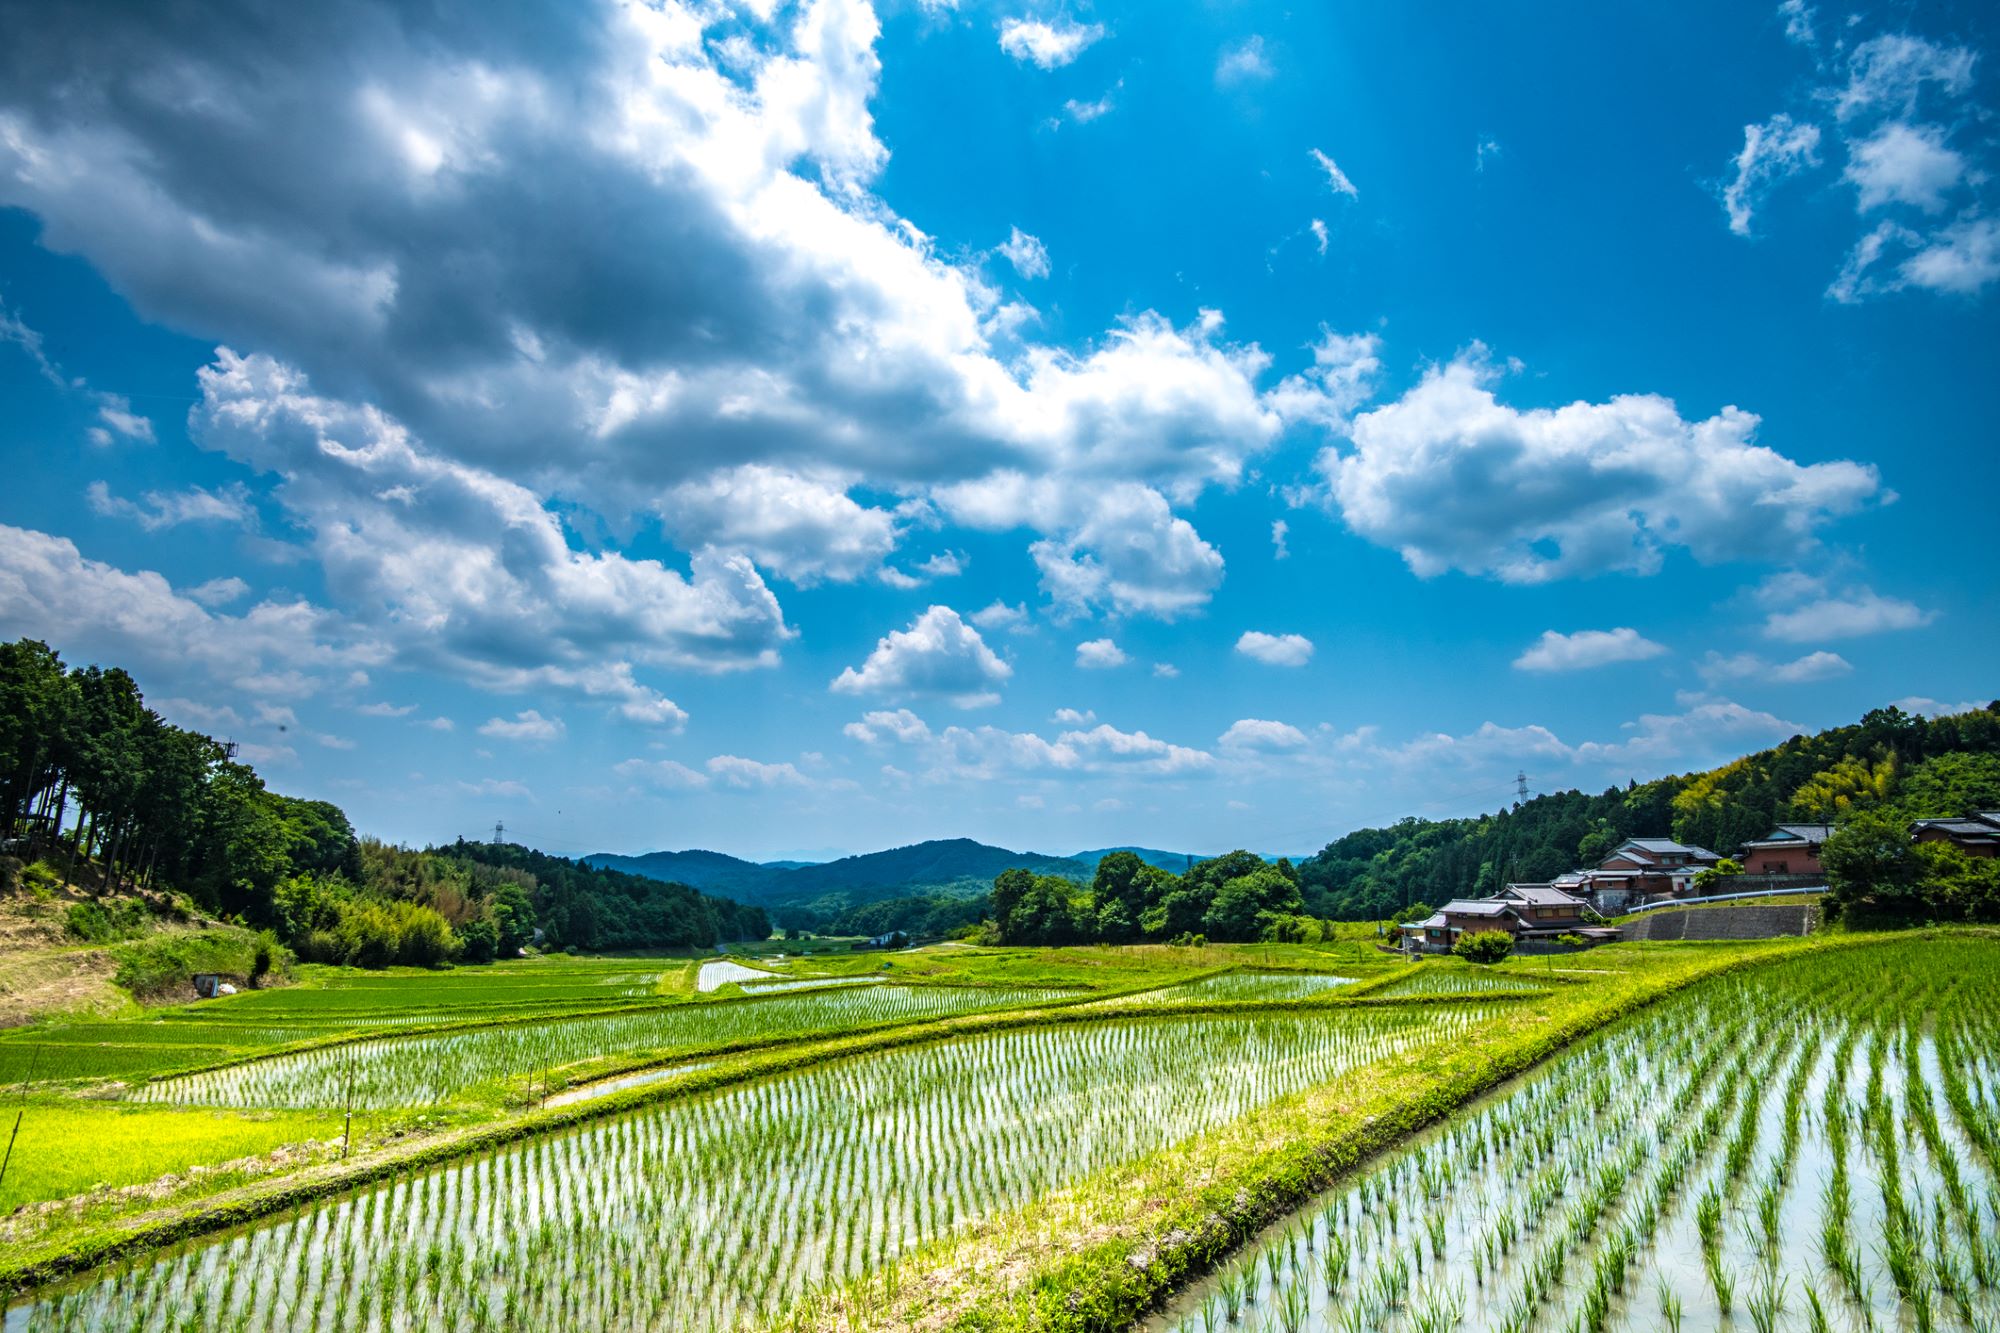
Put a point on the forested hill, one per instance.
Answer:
(1923, 766)
(944, 866)
(593, 907)
(715, 872)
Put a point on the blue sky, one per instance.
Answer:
(803, 428)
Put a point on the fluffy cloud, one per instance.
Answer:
(1454, 479)
(643, 231)
(50, 591)
(219, 592)
(998, 615)
(1904, 164)
(1100, 654)
(119, 422)
(1772, 151)
(1845, 615)
(1959, 259)
(1047, 45)
(1585, 649)
(799, 527)
(1889, 73)
(1822, 665)
(1896, 159)
(1026, 253)
(1130, 555)
(741, 774)
(1708, 728)
(666, 774)
(527, 725)
(468, 571)
(939, 655)
(1106, 747)
(1284, 650)
(1251, 733)
(169, 509)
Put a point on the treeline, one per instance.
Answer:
(147, 804)
(104, 792)
(1372, 873)
(1235, 897)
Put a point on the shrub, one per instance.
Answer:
(107, 922)
(165, 963)
(1484, 946)
(1189, 939)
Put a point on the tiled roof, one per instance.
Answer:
(1813, 833)
(1542, 895)
(1476, 907)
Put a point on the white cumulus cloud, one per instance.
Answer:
(1100, 654)
(1455, 479)
(1585, 649)
(1284, 650)
(1049, 45)
(939, 655)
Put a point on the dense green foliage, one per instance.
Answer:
(1484, 946)
(1235, 897)
(151, 803)
(1943, 765)
(593, 908)
(1876, 876)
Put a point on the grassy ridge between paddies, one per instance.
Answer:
(38, 1259)
(1096, 1256)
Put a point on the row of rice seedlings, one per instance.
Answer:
(1445, 979)
(1360, 1258)
(441, 1067)
(1669, 1172)
(1273, 986)
(717, 1210)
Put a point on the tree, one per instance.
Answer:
(1715, 878)
(1238, 904)
(1484, 946)
(1870, 864)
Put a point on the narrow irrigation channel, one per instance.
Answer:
(1809, 1146)
(706, 1212)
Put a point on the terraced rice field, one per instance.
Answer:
(704, 1213)
(444, 1067)
(1812, 1146)
(1444, 979)
(1276, 986)
(327, 1004)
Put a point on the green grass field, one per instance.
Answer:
(71, 1148)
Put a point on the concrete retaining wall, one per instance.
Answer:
(1747, 922)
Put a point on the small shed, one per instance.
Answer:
(207, 985)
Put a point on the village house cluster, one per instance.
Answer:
(1640, 872)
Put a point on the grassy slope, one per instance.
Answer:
(1096, 1255)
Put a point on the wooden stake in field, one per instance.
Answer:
(16, 1132)
(347, 1127)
